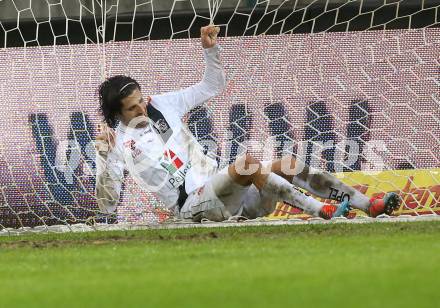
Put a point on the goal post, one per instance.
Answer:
(351, 87)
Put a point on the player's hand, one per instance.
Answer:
(105, 141)
(208, 35)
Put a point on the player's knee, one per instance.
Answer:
(251, 162)
(246, 166)
(244, 169)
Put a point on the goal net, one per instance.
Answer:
(351, 87)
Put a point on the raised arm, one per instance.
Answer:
(212, 83)
(109, 172)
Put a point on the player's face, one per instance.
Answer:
(134, 108)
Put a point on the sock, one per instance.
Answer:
(327, 186)
(280, 188)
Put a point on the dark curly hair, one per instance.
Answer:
(111, 93)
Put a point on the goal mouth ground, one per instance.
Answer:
(351, 87)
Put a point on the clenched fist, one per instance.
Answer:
(208, 35)
(105, 141)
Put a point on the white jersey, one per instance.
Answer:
(164, 154)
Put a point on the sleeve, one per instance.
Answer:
(212, 83)
(109, 177)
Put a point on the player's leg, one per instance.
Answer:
(258, 204)
(223, 196)
(325, 185)
(219, 199)
(273, 188)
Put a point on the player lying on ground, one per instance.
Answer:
(163, 157)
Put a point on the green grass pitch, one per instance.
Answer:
(331, 265)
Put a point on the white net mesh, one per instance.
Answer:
(349, 86)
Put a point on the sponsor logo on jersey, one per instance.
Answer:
(131, 145)
(146, 131)
(162, 126)
(173, 164)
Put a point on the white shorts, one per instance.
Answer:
(221, 198)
